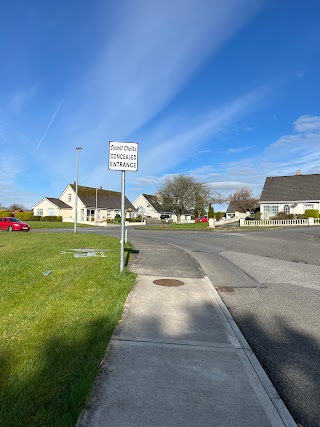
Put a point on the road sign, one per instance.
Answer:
(123, 156)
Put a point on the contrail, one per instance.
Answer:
(49, 124)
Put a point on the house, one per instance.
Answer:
(151, 206)
(292, 194)
(93, 204)
(148, 205)
(50, 206)
(234, 211)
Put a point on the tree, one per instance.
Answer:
(243, 199)
(210, 212)
(218, 198)
(16, 207)
(182, 192)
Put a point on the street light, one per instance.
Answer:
(76, 201)
(96, 211)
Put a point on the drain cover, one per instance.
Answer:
(168, 282)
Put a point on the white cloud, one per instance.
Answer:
(307, 124)
(153, 49)
(170, 150)
(147, 180)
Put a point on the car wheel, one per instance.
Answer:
(10, 228)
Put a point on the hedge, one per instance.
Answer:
(24, 216)
(312, 213)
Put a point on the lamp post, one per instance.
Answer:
(76, 201)
(96, 211)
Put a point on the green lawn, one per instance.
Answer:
(200, 226)
(54, 329)
(54, 224)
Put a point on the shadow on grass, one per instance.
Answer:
(65, 372)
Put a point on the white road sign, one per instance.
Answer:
(123, 156)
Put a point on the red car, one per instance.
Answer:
(201, 219)
(13, 224)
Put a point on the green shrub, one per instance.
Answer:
(50, 218)
(59, 218)
(36, 218)
(219, 215)
(5, 214)
(210, 212)
(311, 213)
(24, 216)
(257, 215)
(283, 215)
(117, 218)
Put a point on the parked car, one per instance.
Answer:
(201, 219)
(13, 224)
(249, 218)
(165, 216)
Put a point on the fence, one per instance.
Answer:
(278, 222)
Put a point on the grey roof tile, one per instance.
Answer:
(59, 203)
(106, 199)
(292, 188)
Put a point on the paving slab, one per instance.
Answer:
(185, 313)
(164, 385)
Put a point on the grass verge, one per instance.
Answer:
(54, 224)
(202, 226)
(55, 329)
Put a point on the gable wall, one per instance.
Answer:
(45, 205)
(145, 208)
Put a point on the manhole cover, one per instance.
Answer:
(168, 282)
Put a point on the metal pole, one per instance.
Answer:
(76, 201)
(96, 211)
(123, 178)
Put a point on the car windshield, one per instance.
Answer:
(14, 220)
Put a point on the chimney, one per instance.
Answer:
(100, 187)
(298, 172)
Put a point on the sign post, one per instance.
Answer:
(123, 156)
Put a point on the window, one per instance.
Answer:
(39, 212)
(51, 212)
(308, 206)
(286, 209)
(69, 197)
(270, 210)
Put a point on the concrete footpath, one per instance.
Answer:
(177, 357)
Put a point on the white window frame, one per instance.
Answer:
(69, 199)
(308, 206)
(270, 210)
(39, 212)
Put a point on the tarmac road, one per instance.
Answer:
(270, 282)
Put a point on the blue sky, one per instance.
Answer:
(227, 91)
